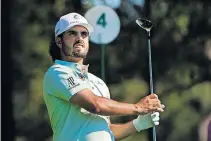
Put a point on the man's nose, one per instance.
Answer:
(79, 37)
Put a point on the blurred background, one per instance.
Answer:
(181, 55)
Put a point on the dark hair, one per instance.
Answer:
(54, 50)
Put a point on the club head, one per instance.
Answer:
(145, 24)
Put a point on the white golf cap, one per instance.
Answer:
(69, 20)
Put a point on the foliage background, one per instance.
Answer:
(181, 49)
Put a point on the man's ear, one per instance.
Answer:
(58, 42)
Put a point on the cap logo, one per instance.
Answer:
(76, 17)
(74, 22)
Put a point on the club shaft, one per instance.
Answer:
(150, 65)
(151, 78)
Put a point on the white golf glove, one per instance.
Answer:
(146, 121)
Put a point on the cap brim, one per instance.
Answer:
(89, 27)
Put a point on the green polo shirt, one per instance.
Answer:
(70, 122)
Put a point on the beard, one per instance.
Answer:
(79, 54)
(73, 53)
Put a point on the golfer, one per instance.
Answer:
(78, 102)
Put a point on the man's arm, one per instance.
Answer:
(122, 131)
(63, 84)
(104, 106)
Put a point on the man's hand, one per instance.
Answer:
(149, 104)
(143, 122)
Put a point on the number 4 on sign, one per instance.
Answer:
(105, 21)
(102, 20)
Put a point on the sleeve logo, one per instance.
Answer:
(72, 83)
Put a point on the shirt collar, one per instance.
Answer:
(83, 68)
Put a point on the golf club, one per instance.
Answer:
(147, 25)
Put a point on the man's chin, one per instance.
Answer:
(79, 55)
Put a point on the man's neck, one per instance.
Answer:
(73, 59)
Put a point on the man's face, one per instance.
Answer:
(76, 42)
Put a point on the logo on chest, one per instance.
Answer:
(81, 76)
(99, 83)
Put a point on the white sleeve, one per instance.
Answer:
(64, 84)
